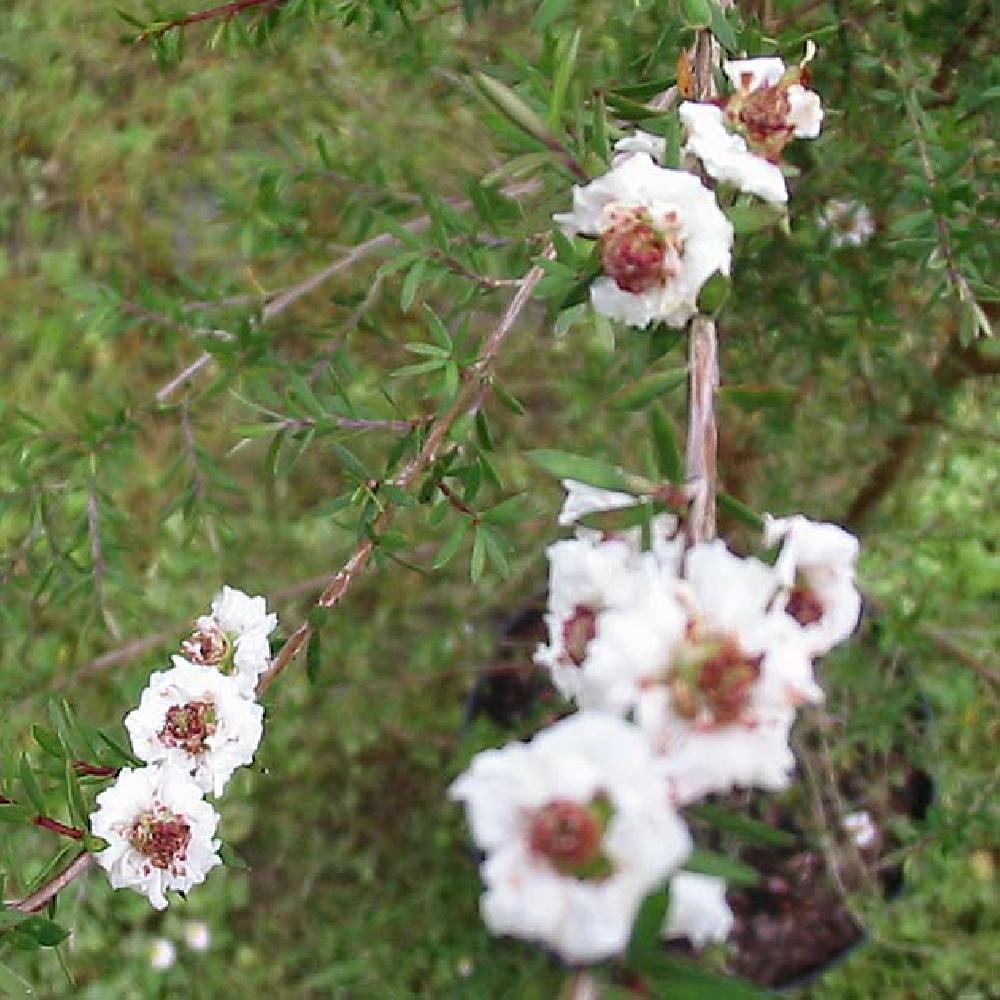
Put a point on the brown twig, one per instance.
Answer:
(282, 300)
(701, 460)
(224, 12)
(468, 400)
(41, 898)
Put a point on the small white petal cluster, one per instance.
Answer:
(160, 832)
(850, 223)
(198, 720)
(194, 726)
(698, 909)
(576, 831)
(662, 236)
(739, 140)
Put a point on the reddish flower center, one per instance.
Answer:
(804, 606)
(578, 631)
(162, 837)
(639, 254)
(189, 726)
(567, 834)
(207, 646)
(714, 678)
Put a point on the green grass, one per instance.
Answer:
(117, 179)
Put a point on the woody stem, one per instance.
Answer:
(701, 459)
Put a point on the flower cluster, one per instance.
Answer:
(688, 663)
(661, 231)
(195, 725)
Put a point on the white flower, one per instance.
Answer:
(780, 96)
(197, 935)
(850, 223)
(698, 909)
(719, 702)
(162, 954)
(726, 156)
(662, 236)
(862, 828)
(160, 832)
(654, 146)
(197, 720)
(233, 638)
(740, 140)
(609, 616)
(816, 565)
(755, 755)
(576, 830)
(752, 74)
(582, 500)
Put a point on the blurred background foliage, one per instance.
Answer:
(153, 211)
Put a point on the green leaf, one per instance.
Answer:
(722, 29)
(668, 454)
(515, 108)
(739, 511)
(230, 858)
(13, 985)
(714, 294)
(49, 742)
(749, 217)
(637, 395)
(646, 942)
(119, 755)
(314, 656)
(744, 827)
(565, 465)
(12, 812)
(560, 81)
(696, 13)
(706, 862)
(453, 543)
(511, 402)
(46, 932)
(550, 11)
(478, 561)
(77, 807)
(438, 331)
(349, 460)
(29, 783)
(411, 283)
(510, 511)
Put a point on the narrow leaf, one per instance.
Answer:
(586, 470)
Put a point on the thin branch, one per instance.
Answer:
(468, 400)
(282, 300)
(226, 11)
(963, 291)
(41, 898)
(701, 460)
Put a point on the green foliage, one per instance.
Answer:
(153, 217)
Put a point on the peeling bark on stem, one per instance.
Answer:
(701, 458)
(702, 435)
